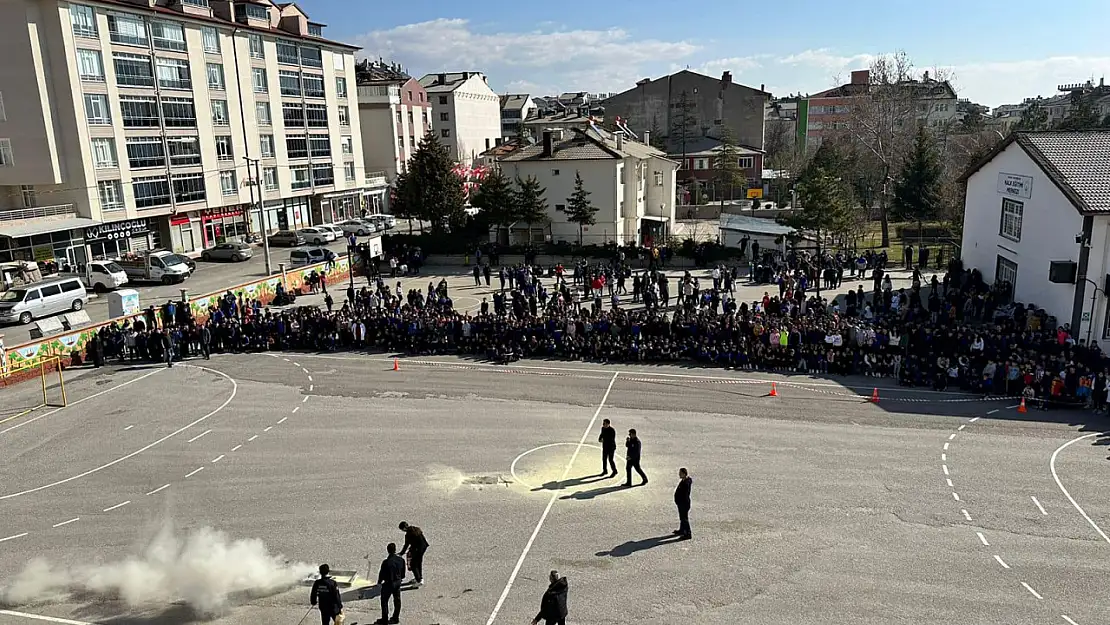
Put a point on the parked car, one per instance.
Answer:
(357, 227)
(384, 222)
(334, 229)
(311, 256)
(317, 236)
(235, 251)
(287, 238)
(28, 302)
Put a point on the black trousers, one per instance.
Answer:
(326, 615)
(684, 520)
(560, 621)
(416, 565)
(607, 462)
(633, 464)
(391, 590)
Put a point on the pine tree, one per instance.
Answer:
(658, 141)
(497, 201)
(684, 122)
(726, 167)
(531, 203)
(579, 209)
(430, 190)
(827, 205)
(917, 192)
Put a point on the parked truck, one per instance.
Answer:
(155, 266)
(100, 275)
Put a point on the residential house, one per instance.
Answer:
(516, 108)
(466, 113)
(698, 170)
(395, 115)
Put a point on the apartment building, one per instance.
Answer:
(133, 124)
(394, 115)
(516, 108)
(466, 113)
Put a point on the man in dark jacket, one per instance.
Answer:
(682, 500)
(204, 337)
(416, 545)
(608, 440)
(391, 575)
(553, 605)
(325, 593)
(632, 459)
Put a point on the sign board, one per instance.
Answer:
(1015, 185)
(117, 230)
(1087, 316)
(43, 253)
(755, 194)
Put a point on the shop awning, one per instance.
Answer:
(655, 218)
(16, 229)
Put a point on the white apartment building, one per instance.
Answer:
(515, 109)
(132, 124)
(466, 113)
(631, 184)
(394, 116)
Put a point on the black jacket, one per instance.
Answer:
(608, 438)
(553, 605)
(415, 542)
(325, 593)
(633, 447)
(682, 492)
(392, 572)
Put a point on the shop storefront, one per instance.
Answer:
(114, 239)
(290, 214)
(336, 207)
(222, 224)
(185, 233)
(64, 246)
(375, 201)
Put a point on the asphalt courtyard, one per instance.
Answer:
(812, 507)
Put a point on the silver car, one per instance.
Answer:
(235, 251)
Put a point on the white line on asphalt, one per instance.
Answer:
(296, 409)
(999, 558)
(951, 436)
(282, 420)
(309, 378)
(194, 472)
(13, 537)
(949, 480)
(234, 391)
(961, 428)
(982, 539)
(286, 360)
(117, 506)
(305, 399)
(1030, 589)
(159, 489)
(296, 364)
(550, 503)
(955, 495)
(944, 457)
(945, 467)
(128, 428)
(1038, 504)
(967, 515)
(974, 419)
(1055, 476)
(311, 387)
(218, 458)
(993, 411)
(1068, 619)
(73, 520)
(268, 428)
(236, 448)
(946, 446)
(1011, 407)
(198, 436)
(39, 617)
(251, 439)
(83, 399)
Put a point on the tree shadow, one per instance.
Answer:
(633, 546)
(595, 492)
(574, 481)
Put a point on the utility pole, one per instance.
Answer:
(262, 221)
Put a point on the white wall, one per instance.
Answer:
(475, 122)
(598, 177)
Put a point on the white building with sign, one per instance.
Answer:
(1041, 201)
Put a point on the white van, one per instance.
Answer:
(26, 303)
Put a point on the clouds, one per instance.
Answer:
(553, 59)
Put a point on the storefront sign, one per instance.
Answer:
(117, 230)
(1015, 185)
(179, 220)
(221, 212)
(42, 253)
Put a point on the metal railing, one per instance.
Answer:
(375, 177)
(58, 210)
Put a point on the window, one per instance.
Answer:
(412, 141)
(560, 207)
(315, 30)
(347, 145)
(211, 38)
(296, 146)
(349, 172)
(111, 194)
(219, 113)
(257, 51)
(151, 192)
(173, 73)
(445, 133)
(251, 11)
(139, 111)
(168, 36)
(196, 3)
(313, 86)
(293, 115)
(287, 53)
(7, 159)
(224, 149)
(96, 110)
(133, 70)
(338, 62)
(1005, 271)
(270, 178)
(341, 87)
(262, 114)
(319, 145)
(1010, 226)
(554, 172)
(184, 151)
(323, 175)
(443, 117)
(216, 76)
(344, 116)
(258, 80)
(289, 82)
(104, 153)
(145, 152)
(227, 183)
(266, 142)
(179, 113)
(84, 20)
(127, 29)
(443, 99)
(401, 143)
(188, 188)
(701, 163)
(316, 115)
(29, 197)
(311, 57)
(747, 162)
(90, 66)
(299, 177)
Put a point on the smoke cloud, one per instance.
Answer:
(205, 570)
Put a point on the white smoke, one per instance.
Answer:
(206, 570)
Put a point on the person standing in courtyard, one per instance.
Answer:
(416, 545)
(608, 440)
(326, 595)
(633, 447)
(553, 605)
(391, 575)
(682, 501)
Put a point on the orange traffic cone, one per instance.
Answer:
(396, 365)
(1021, 407)
(774, 392)
(875, 396)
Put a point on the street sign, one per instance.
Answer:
(755, 194)
(1086, 316)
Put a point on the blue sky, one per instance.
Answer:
(998, 52)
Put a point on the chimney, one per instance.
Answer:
(726, 78)
(442, 79)
(861, 77)
(926, 76)
(620, 140)
(647, 137)
(763, 86)
(547, 147)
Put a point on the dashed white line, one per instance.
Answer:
(73, 520)
(159, 489)
(982, 539)
(305, 399)
(236, 448)
(955, 495)
(993, 411)
(945, 467)
(951, 436)
(1068, 619)
(13, 537)
(296, 364)
(296, 409)
(949, 480)
(309, 378)
(286, 360)
(282, 420)
(1038, 504)
(1012, 407)
(1000, 561)
(946, 446)
(117, 506)
(967, 515)
(268, 428)
(961, 428)
(311, 387)
(198, 436)
(974, 419)
(194, 472)
(217, 458)
(251, 439)
(944, 457)
(1031, 591)
(128, 428)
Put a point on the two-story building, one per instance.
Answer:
(466, 113)
(697, 174)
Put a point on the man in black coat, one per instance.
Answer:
(325, 593)
(204, 337)
(608, 440)
(416, 545)
(391, 575)
(682, 500)
(632, 459)
(553, 605)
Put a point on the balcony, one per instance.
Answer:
(19, 214)
(376, 179)
(25, 222)
(379, 94)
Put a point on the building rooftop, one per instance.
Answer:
(514, 101)
(704, 146)
(756, 225)
(591, 143)
(369, 72)
(446, 82)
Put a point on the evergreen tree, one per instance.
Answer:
(1033, 117)
(1084, 114)
(827, 205)
(497, 200)
(579, 209)
(430, 190)
(684, 122)
(658, 141)
(531, 203)
(917, 192)
(726, 167)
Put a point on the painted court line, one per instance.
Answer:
(945, 467)
(305, 399)
(944, 457)
(199, 436)
(550, 503)
(282, 420)
(82, 400)
(194, 472)
(1068, 619)
(128, 428)
(296, 409)
(949, 480)
(268, 428)
(251, 439)
(13, 537)
(117, 506)
(946, 446)
(1038, 504)
(236, 448)
(39, 617)
(961, 428)
(159, 489)
(951, 436)
(982, 539)
(967, 515)
(1074, 503)
(1033, 592)
(955, 495)
(974, 419)
(217, 458)
(309, 378)
(1000, 561)
(73, 520)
